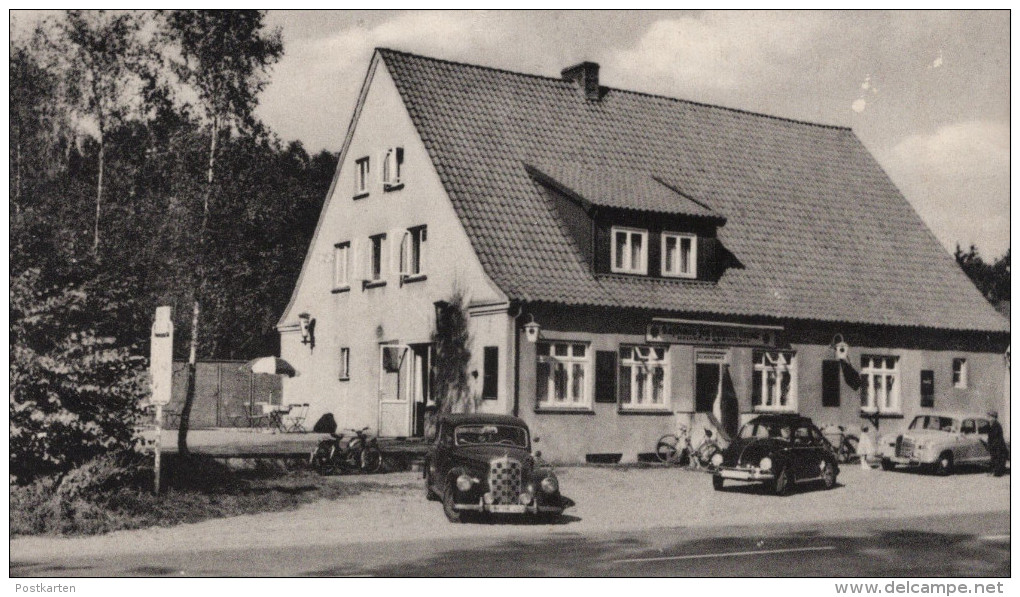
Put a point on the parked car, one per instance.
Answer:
(938, 442)
(777, 451)
(482, 463)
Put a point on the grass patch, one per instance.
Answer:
(110, 495)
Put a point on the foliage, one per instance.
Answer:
(451, 340)
(116, 493)
(992, 279)
(73, 391)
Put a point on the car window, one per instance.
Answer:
(802, 435)
(503, 435)
(754, 431)
(931, 422)
(968, 426)
(983, 426)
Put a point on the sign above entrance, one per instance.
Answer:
(683, 331)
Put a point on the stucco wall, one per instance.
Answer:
(568, 437)
(360, 318)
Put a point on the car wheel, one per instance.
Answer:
(430, 494)
(452, 514)
(717, 482)
(888, 465)
(781, 486)
(828, 475)
(666, 448)
(944, 465)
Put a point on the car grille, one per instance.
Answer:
(905, 447)
(504, 480)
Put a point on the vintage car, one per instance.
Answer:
(778, 451)
(938, 441)
(482, 463)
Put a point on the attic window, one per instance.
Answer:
(361, 178)
(393, 160)
(630, 251)
(679, 255)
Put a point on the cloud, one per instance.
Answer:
(717, 51)
(960, 164)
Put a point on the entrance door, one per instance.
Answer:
(708, 375)
(394, 390)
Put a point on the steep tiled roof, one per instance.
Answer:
(821, 231)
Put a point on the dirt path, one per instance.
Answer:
(607, 500)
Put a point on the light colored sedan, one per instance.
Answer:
(938, 441)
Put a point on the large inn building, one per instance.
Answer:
(630, 262)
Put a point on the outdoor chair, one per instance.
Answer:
(294, 420)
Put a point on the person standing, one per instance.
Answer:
(996, 445)
(865, 447)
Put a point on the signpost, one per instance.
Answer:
(161, 369)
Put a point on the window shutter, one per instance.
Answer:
(864, 390)
(755, 388)
(927, 388)
(830, 383)
(707, 261)
(490, 373)
(404, 258)
(605, 376)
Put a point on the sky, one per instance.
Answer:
(926, 92)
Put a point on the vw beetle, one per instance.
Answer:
(482, 463)
(778, 451)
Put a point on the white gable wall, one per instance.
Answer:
(360, 318)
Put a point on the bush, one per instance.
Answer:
(74, 393)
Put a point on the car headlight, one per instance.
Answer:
(550, 485)
(525, 498)
(717, 459)
(464, 482)
(765, 464)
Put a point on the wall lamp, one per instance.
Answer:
(307, 329)
(531, 329)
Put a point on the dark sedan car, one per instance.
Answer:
(482, 463)
(778, 451)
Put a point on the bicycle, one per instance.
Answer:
(359, 453)
(843, 444)
(679, 450)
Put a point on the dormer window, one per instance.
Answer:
(630, 251)
(393, 161)
(361, 171)
(679, 255)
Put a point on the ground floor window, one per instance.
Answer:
(880, 383)
(774, 386)
(561, 374)
(644, 375)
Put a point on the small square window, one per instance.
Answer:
(361, 172)
(960, 373)
(393, 162)
(629, 251)
(345, 364)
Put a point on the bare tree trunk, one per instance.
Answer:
(189, 397)
(17, 171)
(99, 192)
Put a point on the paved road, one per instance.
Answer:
(940, 545)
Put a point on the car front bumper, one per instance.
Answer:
(907, 461)
(532, 508)
(744, 474)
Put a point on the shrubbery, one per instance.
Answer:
(74, 393)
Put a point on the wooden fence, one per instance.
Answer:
(225, 392)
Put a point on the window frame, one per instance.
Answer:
(344, 372)
(490, 373)
(869, 400)
(629, 256)
(362, 173)
(763, 364)
(549, 401)
(393, 159)
(960, 373)
(692, 257)
(414, 242)
(344, 249)
(635, 362)
(376, 276)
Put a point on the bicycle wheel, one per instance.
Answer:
(666, 448)
(371, 459)
(848, 449)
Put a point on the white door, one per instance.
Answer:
(394, 391)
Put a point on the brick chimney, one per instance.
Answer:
(586, 77)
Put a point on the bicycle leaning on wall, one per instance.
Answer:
(679, 449)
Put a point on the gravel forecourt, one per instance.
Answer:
(607, 499)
